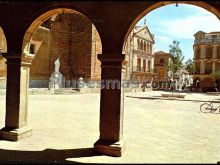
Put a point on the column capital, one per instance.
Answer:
(113, 57)
(12, 56)
(17, 58)
(112, 60)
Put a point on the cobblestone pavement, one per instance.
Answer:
(65, 128)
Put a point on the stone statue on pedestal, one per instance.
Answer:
(57, 66)
(56, 80)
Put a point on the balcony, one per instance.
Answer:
(141, 70)
(207, 41)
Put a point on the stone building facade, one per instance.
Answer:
(139, 58)
(162, 60)
(206, 57)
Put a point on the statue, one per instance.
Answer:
(57, 80)
(57, 66)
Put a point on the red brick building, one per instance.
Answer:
(73, 39)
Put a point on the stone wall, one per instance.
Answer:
(96, 49)
(40, 68)
(80, 47)
(75, 41)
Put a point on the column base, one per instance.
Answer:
(15, 134)
(110, 148)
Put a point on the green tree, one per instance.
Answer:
(190, 66)
(177, 58)
(216, 75)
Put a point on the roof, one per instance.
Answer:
(140, 28)
(199, 32)
(217, 32)
(161, 52)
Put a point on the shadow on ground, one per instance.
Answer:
(167, 98)
(47, 156)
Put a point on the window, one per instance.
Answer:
(218, 52)
(138, 44)
(32, 49)
(149, 68)
(148, 48)
(214, 36)
(141, 45)
(197, 53)
(138, 64)
(208, 52)
(144, 65)
(198, 67)
(208, 67)
(162, 60)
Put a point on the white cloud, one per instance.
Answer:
(185, 28)
(163, 39)
(196, 10)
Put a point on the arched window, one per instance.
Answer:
(138, 44)
(150, 49)
(145, 46)
(141, 45)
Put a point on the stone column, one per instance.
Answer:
(16, 100)
(203, 52)
(214, 51)
(202, 67)
(194, 50)
(213, 66)
(111, 107)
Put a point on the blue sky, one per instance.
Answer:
(180, 23)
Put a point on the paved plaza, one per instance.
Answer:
(65, 127)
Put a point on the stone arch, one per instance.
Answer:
(3, 41)
(3, 67)
(41, 17)
(156, 5)
(66, 55)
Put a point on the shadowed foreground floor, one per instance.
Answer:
(65, 127)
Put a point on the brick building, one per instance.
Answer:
(73, 39)
(206, 57)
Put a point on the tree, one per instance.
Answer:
(177, 58)
(190, 66)
(216, 75)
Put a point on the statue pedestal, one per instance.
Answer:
(57, 80)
